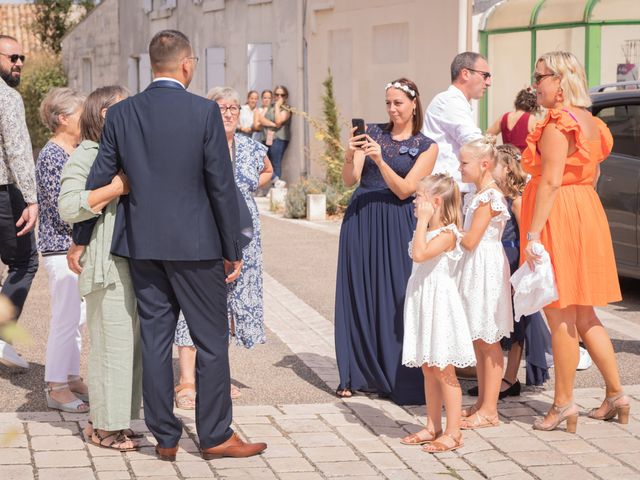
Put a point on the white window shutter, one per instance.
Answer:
(132, 74)
(215, 67)
(87, 80)
(144, 71)
(259, 71)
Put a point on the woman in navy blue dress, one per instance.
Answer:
(373, 263)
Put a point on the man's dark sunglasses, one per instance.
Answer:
(485, 75)
(14, 57)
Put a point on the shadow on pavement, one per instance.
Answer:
(303, 370)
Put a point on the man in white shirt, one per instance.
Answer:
(449, 117)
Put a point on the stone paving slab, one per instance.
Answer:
(325, 450)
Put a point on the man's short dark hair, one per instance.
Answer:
(461, 61)
(168, 47)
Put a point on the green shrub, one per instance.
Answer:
(296, 202)
(40, 75)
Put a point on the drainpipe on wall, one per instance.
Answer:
(469, 25)
(305, 93)
(462, 26)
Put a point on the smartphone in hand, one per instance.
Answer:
(358, 123)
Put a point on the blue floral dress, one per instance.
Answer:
(54, 235)
(244, 296)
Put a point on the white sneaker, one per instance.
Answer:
(10, 358)
(585, 360)
(279, 183)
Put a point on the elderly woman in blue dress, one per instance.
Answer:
(252, 170)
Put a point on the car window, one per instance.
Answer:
(624, 123)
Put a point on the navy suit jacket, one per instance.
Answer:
(182, 204)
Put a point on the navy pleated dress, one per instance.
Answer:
(373, 270)
(531, 330)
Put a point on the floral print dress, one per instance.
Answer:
(244, 296)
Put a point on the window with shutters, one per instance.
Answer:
(157, 9)
(87, 81)
(215, 67)
(259, 71)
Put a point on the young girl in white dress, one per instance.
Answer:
(436, 333)
(484, 277)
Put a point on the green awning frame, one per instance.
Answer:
(593, 31)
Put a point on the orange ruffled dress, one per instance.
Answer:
(576, 234)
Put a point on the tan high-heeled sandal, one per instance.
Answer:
(561, 416)
(621, 411)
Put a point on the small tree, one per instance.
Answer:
(55, 17)
(333, 151)
(41, 74)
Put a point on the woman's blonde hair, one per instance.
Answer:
(516, 179)
(482, 147)
(59, 101)
(573, 79)
(444, 186)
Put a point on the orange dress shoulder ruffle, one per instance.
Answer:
(576, 234)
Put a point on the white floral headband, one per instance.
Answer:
(400, 86)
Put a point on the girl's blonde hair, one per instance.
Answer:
(444, 186)
(573, 79)
(516, 179)
(482, 147)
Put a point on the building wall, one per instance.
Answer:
(365, 43)
(94, 40)
(228, 24)
(368, 43)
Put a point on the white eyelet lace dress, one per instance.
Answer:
(436, 331)
(484, 273)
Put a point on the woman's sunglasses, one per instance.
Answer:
(14, 57)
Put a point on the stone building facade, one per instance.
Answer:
(257, 44)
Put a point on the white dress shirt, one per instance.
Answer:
(157, 79)
(449, 121)
(246, 117)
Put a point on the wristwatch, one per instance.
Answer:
(531, 236)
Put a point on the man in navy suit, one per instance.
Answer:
(179, 228)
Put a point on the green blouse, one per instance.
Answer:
(98, 265)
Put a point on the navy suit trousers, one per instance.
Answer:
(163, 288)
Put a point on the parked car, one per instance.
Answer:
(619, 182)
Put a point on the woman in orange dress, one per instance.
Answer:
(561, 210)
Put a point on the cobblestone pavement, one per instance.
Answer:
(329, 438)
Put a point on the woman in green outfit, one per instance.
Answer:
(115, 375)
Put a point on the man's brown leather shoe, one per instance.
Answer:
(167, 454)
(234, 447)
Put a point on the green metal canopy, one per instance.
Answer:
(510, 16)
